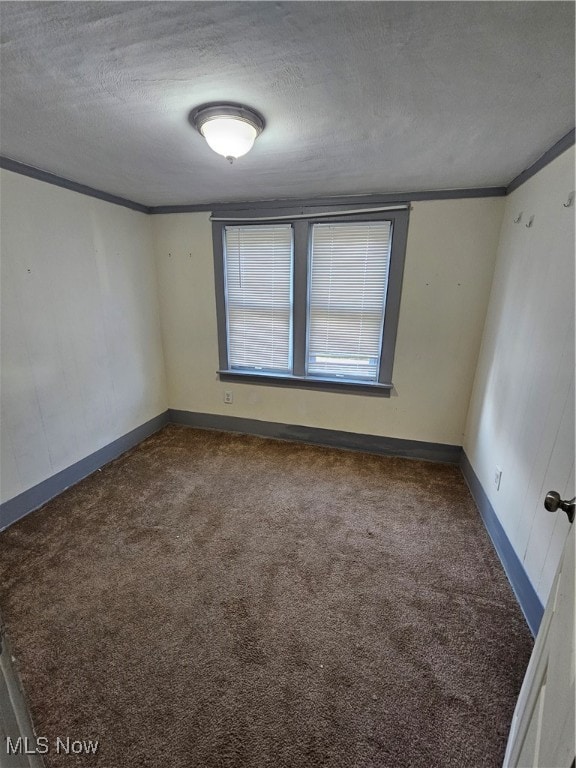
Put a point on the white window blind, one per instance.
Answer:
(348, 280)
(258, 273)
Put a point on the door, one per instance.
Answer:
(16, 732)
(542, 734)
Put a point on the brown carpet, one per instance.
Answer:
(223, 600)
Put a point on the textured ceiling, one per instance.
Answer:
(358, 97)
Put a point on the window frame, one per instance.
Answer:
(302, 221)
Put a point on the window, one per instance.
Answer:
(311, 300)
(259, 297)
(348, 281)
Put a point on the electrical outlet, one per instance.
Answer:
(228, 397)
(497, 477)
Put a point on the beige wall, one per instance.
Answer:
(522, 410)
(86, 345)
(81, 358)
(448, 274)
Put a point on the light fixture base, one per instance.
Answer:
(200, 115)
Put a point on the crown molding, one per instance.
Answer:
(59, 181)
(336, 201)
(551, 154)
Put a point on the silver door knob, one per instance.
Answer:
(552, 502)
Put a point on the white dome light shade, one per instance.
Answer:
(229, 129)
(229, 136)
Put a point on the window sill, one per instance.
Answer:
(297, 382)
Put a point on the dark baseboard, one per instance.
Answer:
(332, 438)
(19, 506)
(16, 508)
(26, 502)
(521, 584)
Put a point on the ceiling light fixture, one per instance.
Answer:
(229, 129)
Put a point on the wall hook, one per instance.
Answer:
(530, 221)
(570, 200)
(519, 219)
